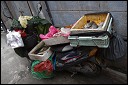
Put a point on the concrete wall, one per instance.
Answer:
(68, 12)
(28, 8)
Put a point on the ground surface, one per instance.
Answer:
(14, 70)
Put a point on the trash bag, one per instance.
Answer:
(116, 48)
(21, 51)
(30, 41)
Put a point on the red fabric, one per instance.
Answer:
(44, 66)
(23, 34)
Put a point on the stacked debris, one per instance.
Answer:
(51, 48)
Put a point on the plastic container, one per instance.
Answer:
(101, 41)
(105, 17)
(42, 57)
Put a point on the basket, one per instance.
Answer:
(42, 57)
(105, 17)
(101, 41)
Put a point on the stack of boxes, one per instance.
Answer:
(82, 36)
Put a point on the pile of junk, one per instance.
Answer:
(80, 47)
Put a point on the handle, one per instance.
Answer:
(85, 38)
(109, 25)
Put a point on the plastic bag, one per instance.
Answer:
(116, 48)
(43, 66)
(43, 71)
(14, 39)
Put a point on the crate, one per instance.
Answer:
(101, 41)
(106, 17)
(56, 40)
(42, 57)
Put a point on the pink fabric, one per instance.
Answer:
(52, 31)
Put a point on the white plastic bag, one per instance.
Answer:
(65, 30)
(14, 39)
